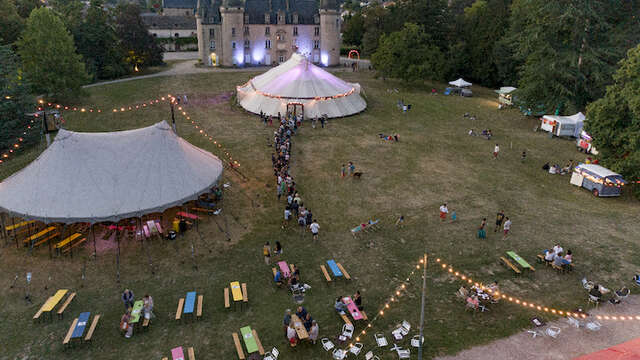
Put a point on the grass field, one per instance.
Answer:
(434, 162)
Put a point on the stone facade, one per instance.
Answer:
(267, 32)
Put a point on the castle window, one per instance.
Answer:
(267, 44)
(187, 13)
(316, 31)
(338, 23)
(212, 45)
(211, 20)
(267, 31)
(212, 32)
(267, 19)
(280, 37)
(246, 18)
(280, 19)
(295, 31)
(247, 44)
(295, 18)
(233, 31)
(316, 19)
(233, 44)
(316, 44)
(246, 30)
(177, 35)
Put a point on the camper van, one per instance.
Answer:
(563, 125)
(599, 180)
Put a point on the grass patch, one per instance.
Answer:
(434, 162)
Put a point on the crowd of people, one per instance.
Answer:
(286, 186)
(555, 169)
(555, 256)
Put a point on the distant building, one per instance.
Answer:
(267, 32)
(179, 7)
(164, 26)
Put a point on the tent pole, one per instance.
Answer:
(5, 236)
(13, 222)
(117, 257)
(145, 249)
(93, 235)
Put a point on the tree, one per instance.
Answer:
(49, 56)
(25, 7)
(614, 120)
(11, 24)
(98, 44)
(353, 29)
(16, 100)
(135, 40)
(407, 54)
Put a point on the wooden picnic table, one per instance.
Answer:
(249, 340)
(83, 319)
(299, 326)
(353, 309)
(54, 300)
(188, 215)
(136, 312)
(189, 302)
(520, 260)
(284, 269)
(236, 291)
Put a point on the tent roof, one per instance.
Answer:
(575, 118)
(299, 81)
(506, 90)
(95, 177)
(460, 83)
(597, 169)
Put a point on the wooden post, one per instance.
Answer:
(93, 235)
(5, 235)
(13, 222)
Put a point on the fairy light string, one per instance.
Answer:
(528, 304)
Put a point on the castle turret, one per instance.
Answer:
(232, 14)
(202, 50)
(329, 33)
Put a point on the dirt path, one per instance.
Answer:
(571, 342)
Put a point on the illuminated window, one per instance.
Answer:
(247, 44)
(233, 44)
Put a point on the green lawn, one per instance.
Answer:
(434, 162)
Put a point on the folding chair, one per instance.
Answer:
(404, 353)
(381, 340)
(356, 348)
(553, 331)
(327, 344)
(272, 355)
(370, 356)
(405, 327)
(347, 330)
(415, 341)
(339, 354)
(593, 326)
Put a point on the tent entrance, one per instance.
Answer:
(295, 109)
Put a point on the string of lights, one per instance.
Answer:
(528, 304)
(393, 299)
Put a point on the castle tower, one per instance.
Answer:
(329, 33)
(232, 14)
(202, 53)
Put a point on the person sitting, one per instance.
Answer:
(557, 249)
(277, 278)
(340, 306)
(301, 312)
(463, 292)
(125, 325)
(147, 306)
(595, 292)
(546, 167)
(472, 133)
(549, 255)
(313, 333)
(566, 261)
(557, 260)
(473, 302)
(308, 321)
(552, 170)
(357, 299)
(292, 336)
(293, 282)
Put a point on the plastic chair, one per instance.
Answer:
(272, 355)
(381, 340)
(593, 326)
(327, 344)
(404, 353)
(347, 330)
(553, 331)
(370, 356)
(356, 348)
(397, 334)
(573, 322)
(415, 341)
(594, 300)
(405, 327)
(339, 354)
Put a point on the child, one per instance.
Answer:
(524, 156)
(482, 234)
(400, 220)
(343, 171)
(453, 216)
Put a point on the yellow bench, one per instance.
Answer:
(67, 241)
(39, 234)
(66, 303)
(236, 341)
(326, 274)
(46, 239)
(509, 264)
(68, 248)
(92, 328)
(179, 310)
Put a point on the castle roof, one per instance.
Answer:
(305, 10)
(156, 21)
(179, 4)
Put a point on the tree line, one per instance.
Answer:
(52, 51)
(562, 55)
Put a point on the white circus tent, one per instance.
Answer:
(299, 82)
(460, 83)
(98, 177)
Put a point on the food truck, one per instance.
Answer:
(599, 180)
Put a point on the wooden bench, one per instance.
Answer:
(145, 323)
(510, 265)
(208, 211)
(66, 303)
(293, 268)
(345, 318)
(68, 337)
(540, 259)
(257, 339)
(364, 316)
(245, 296)
(199, 307)
(326, 274)
(179, 310)
(192, 355)
(226, 298)
(344, 272)
(92, 328)
(165, 358)
(37, 315)
(68, 248)
(236, 341)
(46, 239)
(66, 241)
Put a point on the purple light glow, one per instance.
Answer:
(324, 59)
(239, 57)
(258, 55)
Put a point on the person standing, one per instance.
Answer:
(313, 333)
(322, 122)
(507, 228)
(343, 171)
(499, 220)
(127, 298)
(266, 251)
(352, 168)
(286, 321)
(357, 299)
(443, 212)
(482, 234)
(496, 150)
(278, 249)
(315, 227)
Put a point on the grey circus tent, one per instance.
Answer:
(108, 176)
(297, 82)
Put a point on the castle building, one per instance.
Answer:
(267, 32)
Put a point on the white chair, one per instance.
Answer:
(327, 344)
(594, 300)
(587, 284)
(347, 331)
(370, 356)
(573, 322)
(404, 353)
(381, 340)
(356, 348)
(397, 334)
(272, 355)
(415, 341)
(593, 326)
(339, 354)
(553, 331)
(405, 327)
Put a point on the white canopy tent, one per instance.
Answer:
(96, 177)
(297, 81)
(563, 125)
(460, 83)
